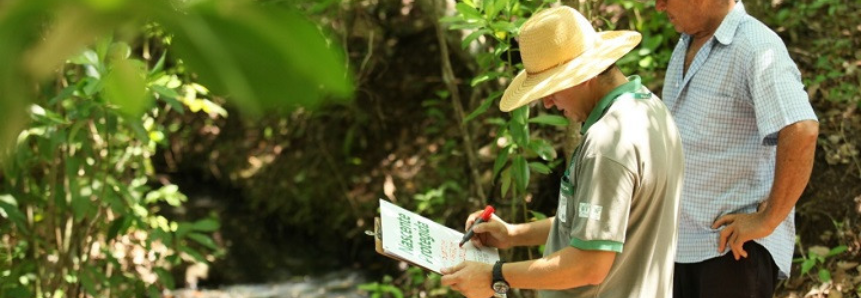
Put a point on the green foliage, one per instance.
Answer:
(82, 214)
(263, 56)
(649, 60)
(493, 25)
(434, 200)
(818, 259)
(825, 44)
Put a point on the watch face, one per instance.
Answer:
(500, 287)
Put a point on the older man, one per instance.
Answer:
(749, 136)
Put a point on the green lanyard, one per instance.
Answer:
(629, 89)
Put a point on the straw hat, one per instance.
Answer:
(560, 49)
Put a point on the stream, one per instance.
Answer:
(342, 284)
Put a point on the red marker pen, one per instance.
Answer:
(485, 216)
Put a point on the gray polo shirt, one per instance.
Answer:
(625, 181)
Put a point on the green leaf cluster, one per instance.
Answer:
(76, 194)
(261, 56)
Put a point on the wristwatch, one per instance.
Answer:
(499, 285)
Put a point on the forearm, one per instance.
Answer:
(796, 146)
(565, 269)
(531, 234)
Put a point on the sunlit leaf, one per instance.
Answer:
(471, 37)
(537, 215)
(503, 26)
(484, 77)
(543, 149)
(469, 12)
(824, 275)
(9, 210)
(260, 57)
(837, 250)
(125, 86)
(158, 65)
(807, 265)
(88, 57)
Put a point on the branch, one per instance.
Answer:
(449, 79)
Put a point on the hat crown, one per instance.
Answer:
(553, 37)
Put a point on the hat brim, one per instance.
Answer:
(526, 88)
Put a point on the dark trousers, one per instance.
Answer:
(724, 277)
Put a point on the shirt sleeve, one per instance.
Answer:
(603, 201)
(775, 85)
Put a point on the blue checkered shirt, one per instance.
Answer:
(740, 90)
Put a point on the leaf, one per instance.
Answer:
(205, 225)
(88, 57)
(125, 86)
(824, 275)
(66, 93)
(543, 149)
(837, 250)
(500, 5)
(471, 37)
(818, 250)
(519, 130)
(539, 167)
(506, 181)
(484, 78)
(165, 278)
(263, 57)
(9, 209)
(470, 26)
(86, 278)
(483, 107)
(81, 206)
(182, 229)
(501, 160)
(554, 120)
(469, 12)
(118, 227)
(169, 96)
(158, 65)
(193, 253)
(72, 29)
(204, 240)
(537, 215)
(520, 173)
(807, 265)
(504, 26)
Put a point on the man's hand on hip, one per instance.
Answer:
(741, 228)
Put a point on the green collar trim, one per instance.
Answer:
(632, 86)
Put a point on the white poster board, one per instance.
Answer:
(418, 240)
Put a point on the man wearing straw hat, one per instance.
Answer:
(614, 232)
(750, 135)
